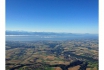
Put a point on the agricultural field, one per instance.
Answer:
(52, 55)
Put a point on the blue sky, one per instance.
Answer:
(71, 16)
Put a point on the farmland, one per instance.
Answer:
(78, 54)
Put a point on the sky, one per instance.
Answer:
(70, 16)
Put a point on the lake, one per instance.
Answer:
(35, 38)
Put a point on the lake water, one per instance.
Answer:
(33, 38)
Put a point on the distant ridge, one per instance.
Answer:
(32, 36)
(33, 33)
(47, 33)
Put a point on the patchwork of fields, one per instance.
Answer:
(52, 55)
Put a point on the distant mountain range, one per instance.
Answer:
(48, 34)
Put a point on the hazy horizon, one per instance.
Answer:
(47, 32)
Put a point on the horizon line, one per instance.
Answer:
(50, 32)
